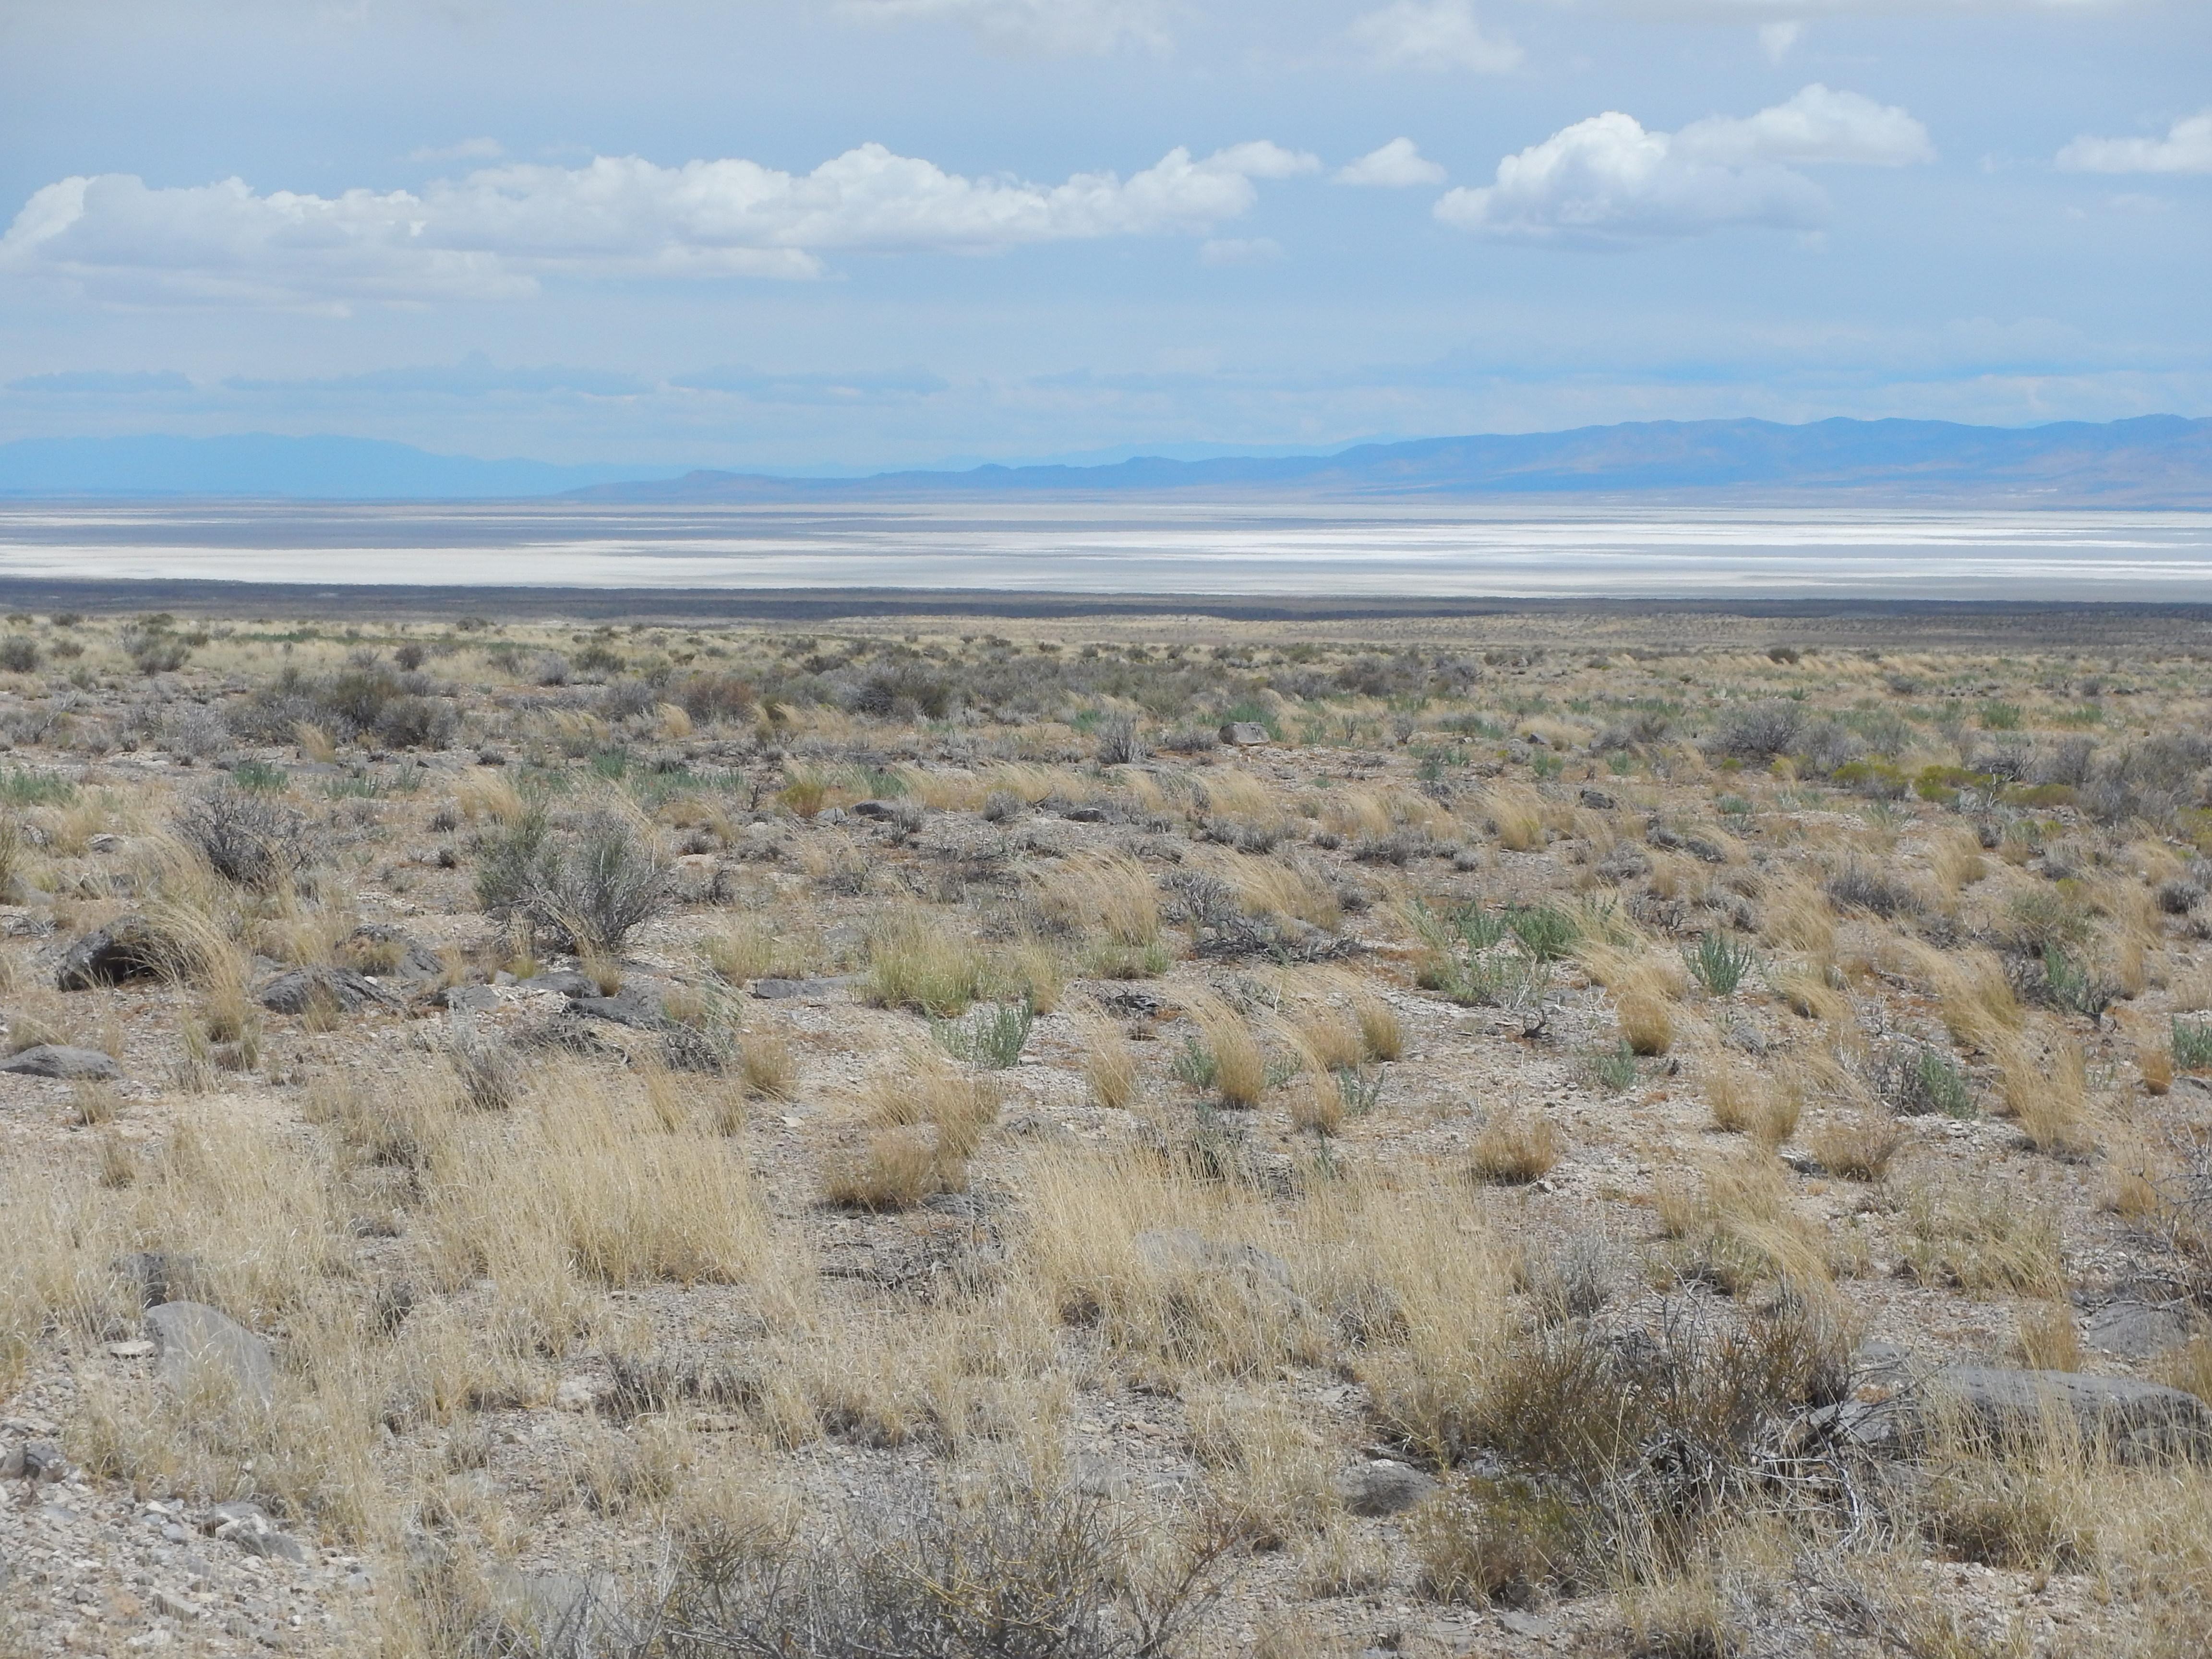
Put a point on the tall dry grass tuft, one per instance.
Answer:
(1979, 1009)
(584, 1178)
(1645, 1024)
(2047, 1093)
(1516, 813)
(1104, 892)
(1238, 1065)
(915, 962)
(1110, 1065)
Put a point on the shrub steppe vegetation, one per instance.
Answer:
(946, 1136)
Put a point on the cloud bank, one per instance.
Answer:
(1053, 28)
(1433, 34)
(1608, 181)
(494, 233)
(2186, 148)
(1397, 165)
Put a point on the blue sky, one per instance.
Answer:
(860, 233)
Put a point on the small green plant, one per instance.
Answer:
(2075, 986)
(1193, 1064)
(261, 777)
(992, 1035)
(1545, 932)
(1734, 806)
(36, 789)
(1923, 1080)
(2192, 1044)
(1613, 1070)
(1361, 1090)
(1546, 764)
(1720, 961)
(2000, 716)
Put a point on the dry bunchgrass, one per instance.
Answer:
(1109, 893)
(925, 1087)
(1981, 1238)
(1979, 1009)
(1645, 1024)
(1239, 1064)
(915, 962)
(1856, 1145)
(1737, 1227)
(1745, 1100)
(1271, 1479)
(2046, 1090)
(767, 1064)
(1382, 1033)
(1110, 1065)
(1514, 1148)
(1516, 811)
(586, 1181)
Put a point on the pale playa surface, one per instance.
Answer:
(1140, 548)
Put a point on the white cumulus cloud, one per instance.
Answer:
(1608, 181)
(2186, 148)
(1048, 27)
(1433, 34)
(495, 232)
(1815, 126)
(1396, 166)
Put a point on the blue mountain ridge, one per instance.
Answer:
(2159, 460)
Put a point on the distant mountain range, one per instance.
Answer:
(261, 464)
(2159, 460)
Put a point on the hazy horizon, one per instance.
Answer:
(854, 235)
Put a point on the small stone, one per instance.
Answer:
(161, 1276)
(58, 1060)
(128, 948)
(298, 989)
(2135, 1330)
(576, 1394)
(1244, 734)
(1383, 1487)
(138, 1349)
(2142, 1419)
(195, 1341)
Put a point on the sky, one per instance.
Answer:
(810, 234)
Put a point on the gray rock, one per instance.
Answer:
(2140, 1418)
(128, 948)
(1099, 1477)
(779, 989)
(567, 981)
(409, 959)
(1243, 734)
(252, 1530)
(56, 1059)
(1260, 1277)
(1383, 1487)
(632, 1006)
(1597, 800)
(197, 1342)
(161, 1276)
(468, 998)
(2135, 1329)
(872, 808)
(1085, 815)
(298, 989)
(560, 1613)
